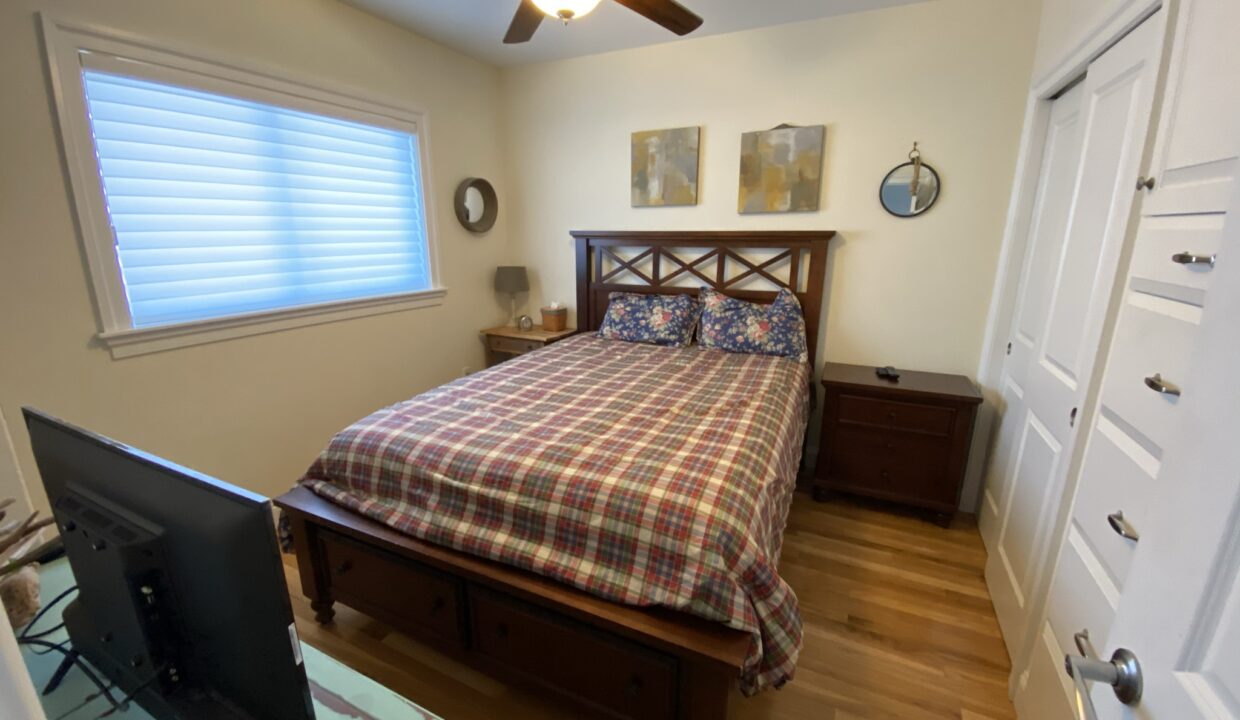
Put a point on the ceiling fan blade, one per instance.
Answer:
(668, 13)
(524, 23)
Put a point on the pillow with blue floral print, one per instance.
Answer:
(743, 327)
(654, 319)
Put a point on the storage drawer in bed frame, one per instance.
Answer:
(610, 660)
(398, 591)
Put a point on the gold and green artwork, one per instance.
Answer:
(665, 167)
(781, 169)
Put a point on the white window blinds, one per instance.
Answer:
(222, 206)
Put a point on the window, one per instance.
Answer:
(213, 199)
(223, 206)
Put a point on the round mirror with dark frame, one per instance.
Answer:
(476, 205)
(910, 188)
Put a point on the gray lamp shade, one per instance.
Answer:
(511, 279)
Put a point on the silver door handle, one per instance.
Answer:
(1122, 527)
(1158, 385)
(1122, 673)
(1187, 258)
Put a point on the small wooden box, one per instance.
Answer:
(554, 319)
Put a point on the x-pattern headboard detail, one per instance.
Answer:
(669, 263)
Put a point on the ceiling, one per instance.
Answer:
(476, 27)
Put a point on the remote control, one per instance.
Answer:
(887, 373)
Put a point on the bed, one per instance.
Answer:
(601, 518)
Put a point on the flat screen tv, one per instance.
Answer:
(181, 595)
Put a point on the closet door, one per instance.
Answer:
(1063, 306)
(1047, 229)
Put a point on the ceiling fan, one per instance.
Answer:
(668, 13)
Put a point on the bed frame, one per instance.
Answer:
(613, 660)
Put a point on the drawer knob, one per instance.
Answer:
(885, 475)
(1122, 527)
(344, 567)
(635, 686)
(1187, 258)
(1158, 385)
(890, 445)
(891, 416)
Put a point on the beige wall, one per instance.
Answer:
(254, 411)
(951, 74)
(1065, 25)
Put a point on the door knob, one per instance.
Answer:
(1145, 183)
(1122, 673)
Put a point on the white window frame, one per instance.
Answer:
(65, 41)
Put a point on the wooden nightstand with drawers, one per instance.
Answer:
(905, 441)
(505, 343)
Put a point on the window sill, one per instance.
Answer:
(142, 341)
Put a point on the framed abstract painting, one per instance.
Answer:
(781, 169)
(665, 167)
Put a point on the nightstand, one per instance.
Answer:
(504, 343)
(906, 441)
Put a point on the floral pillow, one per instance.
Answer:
(744, 327)
(654, 319)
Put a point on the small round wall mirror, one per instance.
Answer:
(476, 205)
(910, 188)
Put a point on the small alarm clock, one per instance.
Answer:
(525, 323)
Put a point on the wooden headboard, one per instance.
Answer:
(669, 263)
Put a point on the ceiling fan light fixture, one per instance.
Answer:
(566, 9)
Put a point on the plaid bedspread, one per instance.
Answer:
(645, 475)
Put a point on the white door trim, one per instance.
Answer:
(11, 482)
(16, 688)
(15, 683)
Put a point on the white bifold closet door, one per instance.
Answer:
(1098, 132)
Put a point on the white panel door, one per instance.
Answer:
(1047, 229)
(11, 484)
(1180, 612)
(1062, 315)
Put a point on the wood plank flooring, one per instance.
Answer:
(898, 624)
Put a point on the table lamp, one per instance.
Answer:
(512, 280)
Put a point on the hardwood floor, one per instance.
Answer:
(898, 624)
